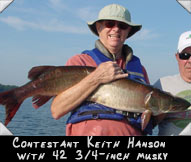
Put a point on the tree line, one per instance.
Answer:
(6, 87)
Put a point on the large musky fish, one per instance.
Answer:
(123, 94)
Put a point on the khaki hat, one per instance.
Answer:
(184, 41)
(118, 13)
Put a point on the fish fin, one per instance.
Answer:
(147, 98)
(37, 71)
(40, 100)
(145, 118)
(11, 103)
(146, 115)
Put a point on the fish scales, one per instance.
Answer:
(59, 79)
(122, 95)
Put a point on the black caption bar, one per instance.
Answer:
(94, 148)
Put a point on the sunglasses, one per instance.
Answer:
(184, 56)
(112, 23)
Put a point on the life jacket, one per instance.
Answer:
(133, 67)
(90, 110)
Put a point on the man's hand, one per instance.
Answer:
(109, 71)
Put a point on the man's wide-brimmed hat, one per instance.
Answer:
(118, 13)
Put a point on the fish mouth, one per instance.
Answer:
(179, 104)
(180, 107)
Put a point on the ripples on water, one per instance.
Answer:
(34, 122)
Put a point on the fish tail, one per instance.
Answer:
(11, 102)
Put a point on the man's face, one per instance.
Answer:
(184, 62)
(112, 33)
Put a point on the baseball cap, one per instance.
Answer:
(115, 12)
(184, 41)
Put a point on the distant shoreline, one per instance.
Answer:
(6, 87)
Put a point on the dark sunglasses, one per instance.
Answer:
(112, 23)
(184, 56)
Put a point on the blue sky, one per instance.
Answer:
(48, 32)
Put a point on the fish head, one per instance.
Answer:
(162, 102)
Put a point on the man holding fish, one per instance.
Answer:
(103, 99)
(110, 56)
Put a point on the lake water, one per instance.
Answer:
(36, 122)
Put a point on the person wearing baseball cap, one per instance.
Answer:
(179, 85)
(111, 57)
